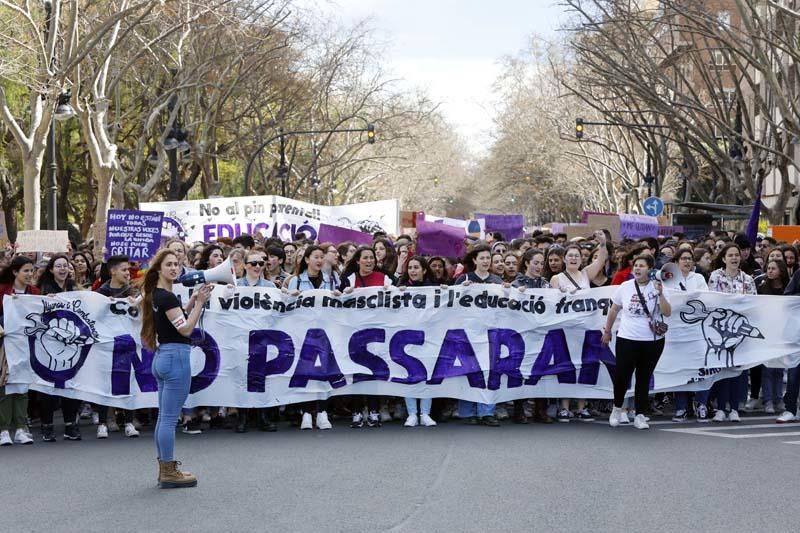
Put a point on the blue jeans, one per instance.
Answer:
(466, 409)
(792, 389)
(728, 393)
(771, 384)
(172, 370)
(424, 406)
(682, 399)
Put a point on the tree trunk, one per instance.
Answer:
(32, 190)
(104, 177)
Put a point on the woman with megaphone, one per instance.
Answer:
(641, 305)
(166, 329)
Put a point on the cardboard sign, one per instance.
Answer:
(610, 222)
(54, 241)
(134, 233)
(3, 229)
(338, 235)
(638, 226)
(786, 233)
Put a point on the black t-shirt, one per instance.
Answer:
(475, 278)
(163, 301)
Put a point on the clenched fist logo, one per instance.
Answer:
(723, 329)
(59, 343)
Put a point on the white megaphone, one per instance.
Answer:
(669, 275)
(223, 273)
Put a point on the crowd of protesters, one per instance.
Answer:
(721, 261)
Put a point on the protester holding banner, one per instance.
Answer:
(531, 271)
(331, 267)
(477, 263)
(640, 338)
(362, 271)
(775, 282)
(118, 286)
(54, 280)
(14, 279)
(254, 271)
(166, 329)
(511, 266)
(729, 278)
(689, 280)
(573, 279)
(274, 271)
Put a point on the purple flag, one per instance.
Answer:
(337, 234)
(134, 233)
(439, 239)
(755, 214)
(511, 226)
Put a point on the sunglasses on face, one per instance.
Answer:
(256, 263)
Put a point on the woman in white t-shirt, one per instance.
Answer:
(638, 348)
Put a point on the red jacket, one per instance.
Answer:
(9, 289)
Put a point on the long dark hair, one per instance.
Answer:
(472, 255)
(389, 264)
(352, 265)
(302, 265)
(426, 277)
(9, 273)
(784, 277)
(47, 281)
(718, 260)
(527, 257)
(202, 263)
(553, 250)
(443, 279)
(148, 286)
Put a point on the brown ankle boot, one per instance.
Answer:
(169, 477)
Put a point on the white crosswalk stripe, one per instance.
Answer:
(741, 431)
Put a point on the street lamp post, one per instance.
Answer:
(649, 178)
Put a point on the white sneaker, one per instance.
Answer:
(5, 439)
(625, 417)
(613, 418)
(307, 422)
(427, 421)
(640, 422)
(96, 417)
(786, 416)
(130, 431)
(102, 431)
(411, 421)
(769, 408)
(719, 416)
(702, 413)
(206, 417)
(21, 437)
(501, 413)
(322, 420)
(385, 416)
(733, 416)
(753, 404)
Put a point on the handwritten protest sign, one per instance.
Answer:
(134, 233)
(42, 241)
(638, 226)
(605, 221)
(336, 235)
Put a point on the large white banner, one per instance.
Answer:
(207, 220)
(262, 347)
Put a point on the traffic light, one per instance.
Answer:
(579, 128)
(371, 134)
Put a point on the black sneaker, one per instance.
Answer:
(373, 419)
(490, 421)
(47, 433)
(470, 420)
(192, 427)
(72, 432)
(358, 421)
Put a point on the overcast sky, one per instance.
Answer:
(452, 47)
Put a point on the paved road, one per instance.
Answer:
(452, 478)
